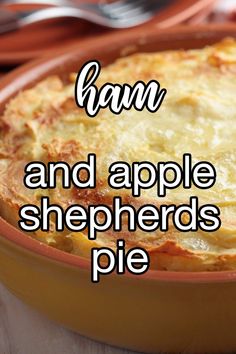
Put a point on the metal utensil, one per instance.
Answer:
(118, 14)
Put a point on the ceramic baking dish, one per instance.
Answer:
(156, 312)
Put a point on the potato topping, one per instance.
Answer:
(198, 116)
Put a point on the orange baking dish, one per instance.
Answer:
(159, 311)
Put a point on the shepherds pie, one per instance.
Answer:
(198, 116)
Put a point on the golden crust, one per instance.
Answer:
(44, 124)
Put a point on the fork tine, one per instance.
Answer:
(119, 6)
(131, 8)
(130, 21)
(131, 13)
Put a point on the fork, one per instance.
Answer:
(118, 14)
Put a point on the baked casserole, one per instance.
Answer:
(198, 116)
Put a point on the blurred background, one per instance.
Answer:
(18, 45)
